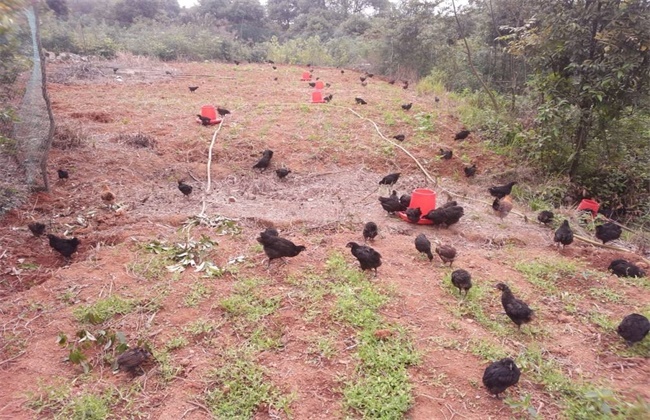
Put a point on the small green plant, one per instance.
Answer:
(104, 309)
(57, 401)
(191, 253)
(323, 347)
(103, 340)
(604, 294)
(168, 370)
(200, 327)
(546, 274)
(198, 291)
(523, 404)
(220, 224)
(240, 387)
(247, 306)
(380, 387)
(176, 343)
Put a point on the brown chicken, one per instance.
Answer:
(107, 195)
(447, 253)
(502, 206)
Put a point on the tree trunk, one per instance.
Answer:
(580, 141)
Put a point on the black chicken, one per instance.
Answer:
(282, 172)
(186, 189)
(446, 215)
(633, 328)
(65, 247)
(407, 107)
(222, 111)
(370, 75)
(423, 245)
(399, 137)
(204, 120)
(461, 279)
(390, 179)
(370, 231)
(328, 98)
(63, 174)
(363, 79)
(274, 67)
(545, 217)
(276, 247)
(516, 309)
(391, 81)
(132, 359)
(564, 234)
(37, 228)
(462, 135)
(501, 375)
(447, 254)
(360, 101)
(624, 268)
(405, 200)
(312, 84)
(193, 88)
(263, 163)
(608, 232)
(391, 203)
(470, 171)
(115, 69)
(368, 258)
(413, 215)
(237, 62)
(502, 190)
(445, 154)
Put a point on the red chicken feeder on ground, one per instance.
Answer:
(317, 97)
(591, 205)
(423, 198)
(209, 111)
(306, 77)
(319, 84)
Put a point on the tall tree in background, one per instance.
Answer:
(592, 61)
(59, 7)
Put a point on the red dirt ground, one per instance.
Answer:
(336, 159)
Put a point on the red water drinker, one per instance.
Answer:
(317, 97)
(591, 205)
(423, 198)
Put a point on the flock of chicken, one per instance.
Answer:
(499, 375)
(504, 373)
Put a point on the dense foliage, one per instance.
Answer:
(568, 81)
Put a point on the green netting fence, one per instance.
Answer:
(33, 127)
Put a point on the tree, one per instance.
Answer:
(283, 12)
(59, 7)
(592, 62)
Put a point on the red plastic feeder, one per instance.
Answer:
(317, 97)
(591, 205)
(306, 76)
(319, 84)
(209, 111)
(423, 198)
